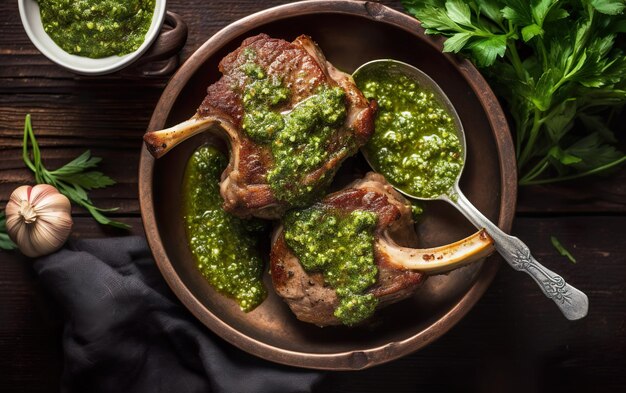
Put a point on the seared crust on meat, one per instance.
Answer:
(299, 71)
(303, 69)
(310, 299)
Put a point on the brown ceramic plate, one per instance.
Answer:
(350, 33)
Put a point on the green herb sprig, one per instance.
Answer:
(5, 241)
(557, 64)
(561, 249)
(73, 179)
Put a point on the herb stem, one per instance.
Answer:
(515, 60)
(536, 170)
(579, 175)
(534, 133)
(25, 155)
(72, 180)
(543, 54)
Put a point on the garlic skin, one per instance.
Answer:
(38, 219)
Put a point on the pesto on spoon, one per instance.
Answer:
(419, 145)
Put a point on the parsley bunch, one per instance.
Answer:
(73, 179)
(557, 64)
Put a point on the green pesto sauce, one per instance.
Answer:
(415, 145)
(97, 28)
(224, 246)
(299, 139)
(341, 246)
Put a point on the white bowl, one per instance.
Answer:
(31, 19)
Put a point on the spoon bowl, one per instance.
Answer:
(572, 302)
(425, 82)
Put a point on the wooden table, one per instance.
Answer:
(513, 340)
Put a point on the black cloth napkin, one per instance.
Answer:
(126, 332)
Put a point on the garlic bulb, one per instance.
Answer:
(38, 219)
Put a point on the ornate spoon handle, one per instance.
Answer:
(572, 302)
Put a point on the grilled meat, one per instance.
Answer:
(302, 72)
(401, 270)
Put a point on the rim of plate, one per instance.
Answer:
(348, 360)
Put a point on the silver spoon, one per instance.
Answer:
(572, 302)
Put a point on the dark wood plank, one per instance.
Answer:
(590, 195)
(513, 340)
(109, 114)
(203, 20)
(119, 163)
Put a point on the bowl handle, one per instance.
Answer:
(171, 40)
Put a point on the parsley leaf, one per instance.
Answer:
(611, 7)
(72, 180)
(459, 12)
(559, 66)
(518, 12)
(456, 42)
(486, 49)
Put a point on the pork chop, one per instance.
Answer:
(401, 269)
(270, 170)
